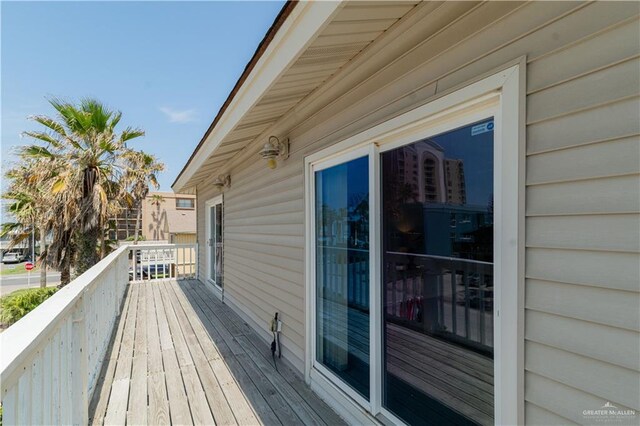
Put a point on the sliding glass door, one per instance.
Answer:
(437, 278)
(214, 241)
(342, 271)
(403, 291)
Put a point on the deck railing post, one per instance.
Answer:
(197, 260)
(80, 370)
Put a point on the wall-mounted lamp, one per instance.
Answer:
(273, 150)
(222, 181)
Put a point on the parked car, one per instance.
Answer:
(13, 257)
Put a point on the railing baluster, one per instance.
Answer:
(465, 278)
(481, 310)
(454, 304)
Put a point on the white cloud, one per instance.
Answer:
(177, 116)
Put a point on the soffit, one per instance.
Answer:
(350, 31)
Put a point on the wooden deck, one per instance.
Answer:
(179, 356)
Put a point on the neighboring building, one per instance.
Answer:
(171, 217)
(451, 232)
(166, 216)
(125, 224)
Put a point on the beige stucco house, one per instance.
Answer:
(446, 215)
(167, 216)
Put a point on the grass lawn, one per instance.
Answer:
(17, 270)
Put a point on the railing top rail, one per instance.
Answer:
(160, 246)
(21, 338)
(452, 259)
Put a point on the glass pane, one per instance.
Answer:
(218, 246)
(342, 271)
(211, 243)
(438, 278)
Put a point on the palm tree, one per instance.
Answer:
(141, 171)
(30, 205)
(83, 141)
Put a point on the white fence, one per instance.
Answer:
(163, 261)
(51, 359)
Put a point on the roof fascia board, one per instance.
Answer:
(298, 31)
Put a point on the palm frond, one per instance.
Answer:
(130, 133)
(49, 123)
(36, 151)
(44, 137)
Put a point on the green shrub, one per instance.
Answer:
(19, 303)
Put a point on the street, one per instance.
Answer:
(12, 282)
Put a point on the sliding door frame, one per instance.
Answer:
(210, 243)
(500, 95)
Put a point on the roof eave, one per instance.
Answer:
(292, 31)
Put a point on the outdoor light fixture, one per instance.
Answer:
(273, 150)
(222, 181)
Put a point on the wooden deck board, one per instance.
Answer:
(180, 356)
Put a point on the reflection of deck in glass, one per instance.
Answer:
(449, 374)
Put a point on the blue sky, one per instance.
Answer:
(168, 66)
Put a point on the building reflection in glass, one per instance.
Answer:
(438, 278)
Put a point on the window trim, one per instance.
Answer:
(344, 157)
(502, 95)
(193, 203)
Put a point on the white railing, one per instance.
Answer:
(163, 261)
(51, 359)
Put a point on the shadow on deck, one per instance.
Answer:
(180, 356)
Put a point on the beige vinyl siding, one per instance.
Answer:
(582, 196)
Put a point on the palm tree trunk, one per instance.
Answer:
(65, 269)
(87, 249)
(138, 220)
(103, 243)
(43, 260)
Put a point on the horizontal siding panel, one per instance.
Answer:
(609, 382)
(590, 232)
(287, 218)
(286, 254)
(613, 121)
(601, 87)
(267, 258)
(262, 319)
(612, 158)
(609, 344)
(545, 30)
(271, 209)
(535, 415)
(268, 306)
(613, 45)
(266, 229)
(613, 270)
(291, 280)
(257, 175)
(610, 195)
(562, 400)
(286, 241)
(615, 308)
(265, 197)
